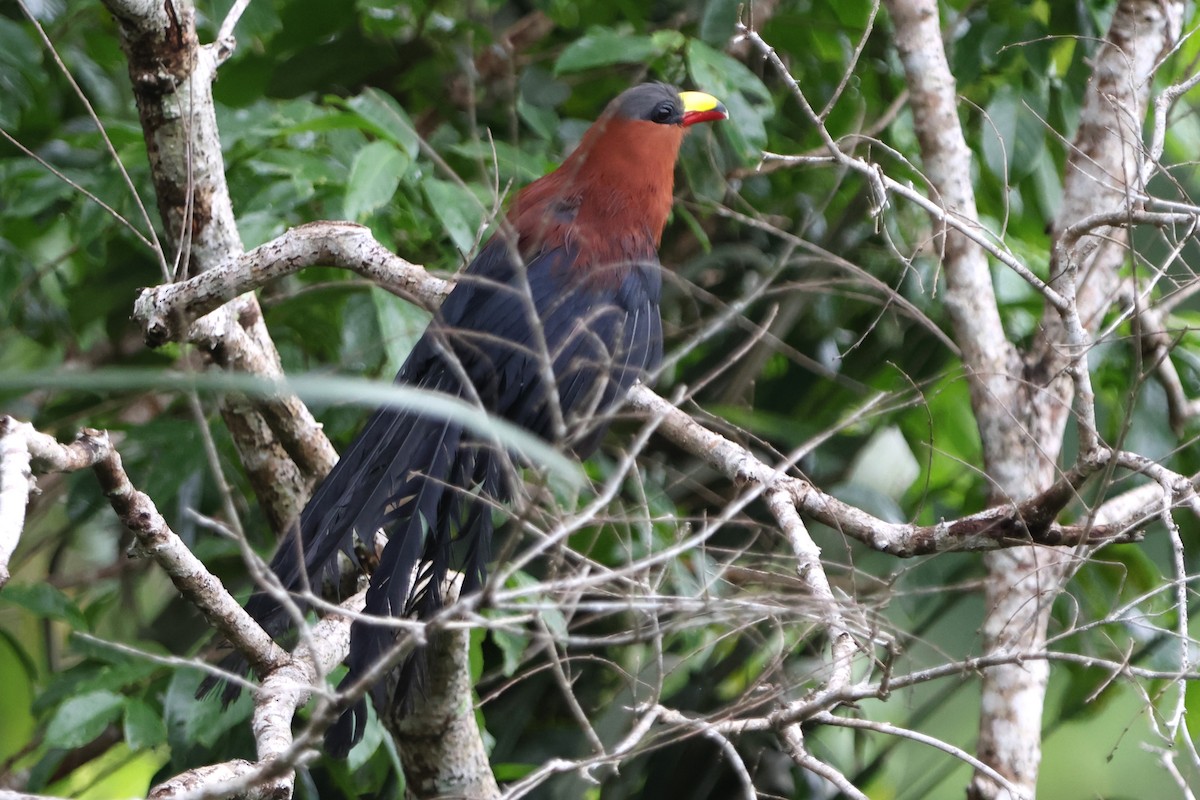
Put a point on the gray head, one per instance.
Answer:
(663, 104)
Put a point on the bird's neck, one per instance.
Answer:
(623, 173)
(608, 202)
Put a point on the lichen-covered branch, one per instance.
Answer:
(172, 74)
(1022, 417)
(155, 539)
(283, 691)
(439, 739)
(15, 484)
(1002, 526)
(1022, 401)
(990, 359)
(287, 679)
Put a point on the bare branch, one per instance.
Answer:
(225, 41)
(794, 742)
(1157, 346)
(997, 527)
(172, 79)
(558, 766)
(889, 729)
(166, 311)
(717, 737)
(193, 580)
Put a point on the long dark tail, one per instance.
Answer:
(431, 487)
(444, 520)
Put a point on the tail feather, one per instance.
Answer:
(370, 488)
(495, 486)
(443, 505)
(308, 555)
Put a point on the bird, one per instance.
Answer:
(548, 328)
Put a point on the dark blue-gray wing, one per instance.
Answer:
(430, 484)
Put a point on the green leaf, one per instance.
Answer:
(544, 121)
(386, 118)
(512, 771)
(259, 23)
(885, 464)
(716, 23)
(723, 75)
(81, 719)
(372, 738)
(695, 227)
(600, 47)
(668, 40)
(17, 671)
(1013, 136)
(512, 647)
(459, 211)
(374, 177)
(190, 721)
(258, 227)
(46, 601)
(400, 325)
(746, 97)
(513, 162)
(17, 45)
(94, 649)
(21, 72)
(299, 165)
(143, 726)
(869, 499)
(340, 389)
(955, 435)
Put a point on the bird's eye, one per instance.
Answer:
(663, 112)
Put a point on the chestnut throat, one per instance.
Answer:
(608, 201)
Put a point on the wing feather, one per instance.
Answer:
(431, 486)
